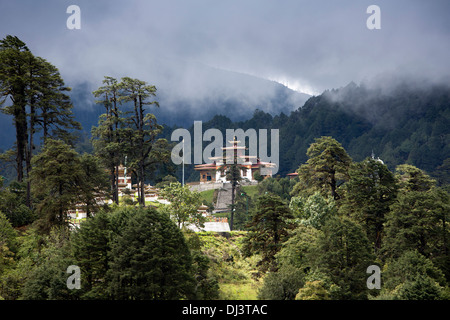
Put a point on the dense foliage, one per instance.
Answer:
(404, 123)
(311, 237)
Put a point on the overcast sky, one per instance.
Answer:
(309, 45)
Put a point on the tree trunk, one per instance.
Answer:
(113, 173)
(29, 154)
(233, 189)
(142, 186)
(333, 187)
(116, 184)
(21, 138)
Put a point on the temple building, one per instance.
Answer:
(249, 165)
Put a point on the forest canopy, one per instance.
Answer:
(310, 237)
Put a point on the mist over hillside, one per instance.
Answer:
(184, 99)
(403, 122)
(400, 120)
(192, 95)
(408, 123)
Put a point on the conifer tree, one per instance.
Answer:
(268, 230)
(108, 134)
(14, 59)
(92, 186)
(369, 193)
(343, 252)
(90, 245)
(144, 129)
(326, 168)
(54, 180)
(150, 260)
(62, 178)
(38, 100)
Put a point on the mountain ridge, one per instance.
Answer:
(403, 123)
(407, 124)
(236, 94)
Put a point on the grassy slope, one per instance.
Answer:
(252, 191)
(231, 269)
(234, 275)
(207, 196)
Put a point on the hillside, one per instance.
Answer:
(232, 271)
(182, 101)
(405, 123)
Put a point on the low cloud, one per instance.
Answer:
(199, 51)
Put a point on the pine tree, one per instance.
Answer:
(419, 221)
(93, 184)
(37, 93)
(326, 168)
(369, 193)
(268, 230)
(90, 245)
(343, 252)
(150, 260)
(107, 135)
(53, 111)
(14, 59)
(54, 182)
(411, 178)
(141, 137)
(412, 277)
(62, 178)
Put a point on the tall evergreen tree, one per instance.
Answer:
(150, 260)
(412, 277)
(268, 230)
(326, 168)
(93, 184)
(90, 245)
(54, 180)
(62, 178)
(37, 93)
(50, 109)
(411, 178)
(53, 112)
(108, 134)
(369, 193)
(419, 221)
(343, 252)
(14, 61)
(142, 137)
